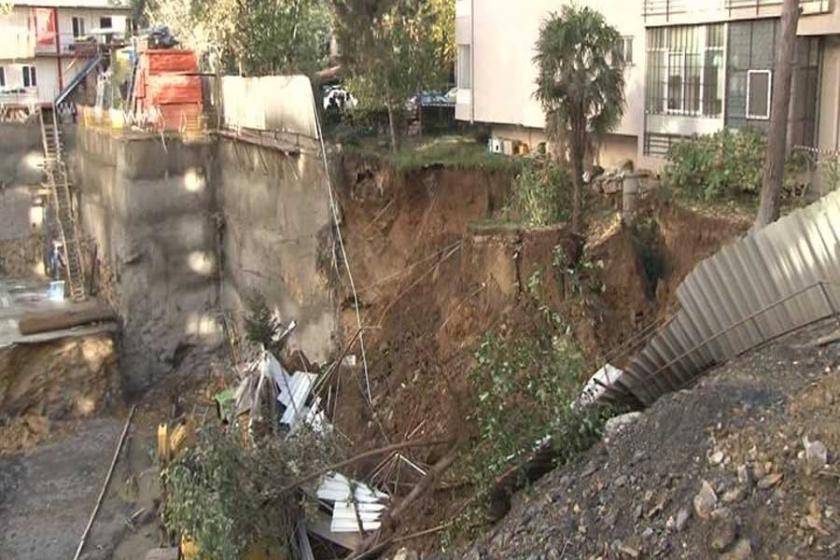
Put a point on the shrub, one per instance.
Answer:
(727, 164)
(651, 247)
(541, 195)
(525, 387)
(225, 496)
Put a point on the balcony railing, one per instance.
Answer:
(667, 8)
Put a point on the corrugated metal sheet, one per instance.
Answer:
(345, 519)
(336, 488)
(760, 287)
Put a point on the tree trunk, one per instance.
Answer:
(577, 147)
(774, 163)
(392, 126)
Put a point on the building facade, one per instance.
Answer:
(45, 44)
(694, 67)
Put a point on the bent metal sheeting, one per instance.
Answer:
(753, 290)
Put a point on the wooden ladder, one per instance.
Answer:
(58, 182)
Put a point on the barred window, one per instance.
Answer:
(685, 70)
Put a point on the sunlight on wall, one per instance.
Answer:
(36, 216)
(203, 325)
(201, 262)
(194, 181)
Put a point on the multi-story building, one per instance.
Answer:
(694, 67)
(42, 48)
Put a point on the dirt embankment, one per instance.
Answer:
(44, 386)
(744, 465)
(434, 272)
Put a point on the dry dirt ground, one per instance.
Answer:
(717, 471)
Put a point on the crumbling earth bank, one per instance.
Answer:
(62, 380)
(741, 466)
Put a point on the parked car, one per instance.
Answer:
(337, 98)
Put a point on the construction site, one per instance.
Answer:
(225, 334)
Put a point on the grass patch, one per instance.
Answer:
(454, 151)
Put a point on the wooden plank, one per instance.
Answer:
(57, 319)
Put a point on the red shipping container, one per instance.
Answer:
(173, 89)
(170, 61)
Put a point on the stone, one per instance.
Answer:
(734, 495)
(770, 480)
(405, 554)
(618, 424)
(620, 481)
(682, 519)
(741, 551)
(724, 529)
(744, 475)
(647, 533)
(816, 455)
(716, 458)
(705, 501)
(629, 551)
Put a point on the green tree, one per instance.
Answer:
(251, 37)
(580, 84)
(392, 49)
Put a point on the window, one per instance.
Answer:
(685, 70)
(758, 94)
(78, 27)
(2, 77)
(464, 76)
(105, 23)
(29, 77)
(676, 82)
(625, 50)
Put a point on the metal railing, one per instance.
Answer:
(668, 8)
(752, 322)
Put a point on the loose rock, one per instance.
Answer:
(705, 501)
(741, 551)
(770, 481)
(617, 424)
(724, 530)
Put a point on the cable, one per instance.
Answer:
(340, 238)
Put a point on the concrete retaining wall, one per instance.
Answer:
(186, 230)
(278, 238)
(150, 209)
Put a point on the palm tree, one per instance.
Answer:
(580, 84)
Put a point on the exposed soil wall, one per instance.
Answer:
(61, 380)
(278, 238)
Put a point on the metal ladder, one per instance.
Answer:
(58, 182)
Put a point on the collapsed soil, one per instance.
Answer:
(434, 272)
(633, 495)
(45, 387)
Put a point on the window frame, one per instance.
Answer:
(102, 20)
(667, 100)
(627, 47)
(748, 114)
(464, 56)
(29, 74)
(78, 24)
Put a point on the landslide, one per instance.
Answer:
(435, 270)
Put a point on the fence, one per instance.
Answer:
(765, 285)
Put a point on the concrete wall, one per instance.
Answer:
(187, 230)
(278, 238)
(150, 209)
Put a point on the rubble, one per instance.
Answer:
(705, 501)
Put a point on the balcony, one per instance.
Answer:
(18, 97)
(675, 12)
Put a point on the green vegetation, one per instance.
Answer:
(580, 84)
(541, 195)
(449, 151)
(651, 248)
(253, 37)
(724, 166)
(525, 387)
(224, 495)
(394, 49)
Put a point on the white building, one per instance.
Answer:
(39, 45)
(696, 66)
